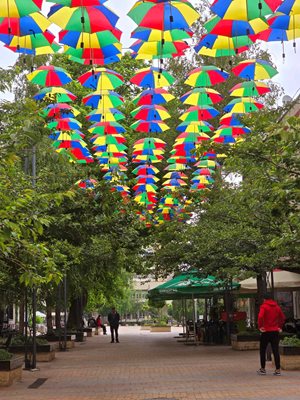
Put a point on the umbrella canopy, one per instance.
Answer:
(205, 51)
(249, 89)
(155, 35)
(150, 113)
(245, 9)
(83, 19)
(149, 126)
(145, 170)
(84, 39)
(103, 114)
(201, 96)
(48, 75)
(152, 78)
(106, 127)
(158, 48)
(286, 22)
(190, 284)
(31, 41)
(220, 42)
(289, 7)
(58, 94)
(196, 113)
(19, 8)
(243, 105)
(163, 15)
(153, 97)
(254, 69)
(64, 124)
(231, 28)
(231, 119)
(35, 22)
(101, 78)
(206, 75)
(78, 3)
(195, 127)
(105, 99)
(282, 280)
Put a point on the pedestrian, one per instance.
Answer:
(100, 324)
(114, 320)
(270, 323)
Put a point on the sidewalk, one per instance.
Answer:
(151, 366)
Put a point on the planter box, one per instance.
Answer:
(289, 350)
(81, 336)
(11, 370)
(245, 342)
(90, 331)
(146, 328)
(160, 329)
(44, 353)
(289, 357)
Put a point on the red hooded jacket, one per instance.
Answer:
(270, 316)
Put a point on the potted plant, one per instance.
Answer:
(245, 340)
(289, 350)
(44, 350)
(160, 326)
(10, 367)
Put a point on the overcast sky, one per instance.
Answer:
(288, 76)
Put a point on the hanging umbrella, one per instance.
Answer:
(146, 198)
(205, 51)
(89, 56)
(139, 188)
(150, 113)
(147, 158)
(149, 126)
(105, 99)
(155, 35)
(148, 56)
(204, 172)
(87, 184)
(48, 75)
(175, 175)
(196, 127)
(231, 28)
(225, 130)
(26, 25)
(91, 40)
(152, 143)
(36, 51)
(110, 148)
(147, 179)
(78, 3)
(32, 41)
(58, 109)
(201, 96)
(243, 105)
(175, 182)
(206, 164)
(249, 89)
(65, 124)
(279, 35)
(153, 97)
(286, 22)
(177, 167)
(164, 15)
(190, 137)
(289, 7)
(220, 42)
(206, 75)
(67, 135)
(19, 8)
(245, 9)
(101, 78)
(254, 70)
(158, 48)
(196, 113)
(83, 19)
(205, 180)
(103, 139)
(145, 170)
(231, 119)
(106, 127)
(110, 114)
(152, 78)
(57, 94)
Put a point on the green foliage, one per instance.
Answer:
(290, 341)
(5, 355)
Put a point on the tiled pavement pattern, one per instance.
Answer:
(152, 366)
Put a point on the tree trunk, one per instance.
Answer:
(22, 316)
(261, 291)
(75, 317)
(49, 316)
(58, 308)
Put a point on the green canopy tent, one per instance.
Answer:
(191, 285)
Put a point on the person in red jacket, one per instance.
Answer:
(270, 323)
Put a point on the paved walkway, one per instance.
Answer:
(151, 366)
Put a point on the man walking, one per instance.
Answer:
(270, 322)
(114, 320)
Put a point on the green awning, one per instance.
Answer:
(191, 284)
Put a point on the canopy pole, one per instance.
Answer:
(183, 317)
(194, 322)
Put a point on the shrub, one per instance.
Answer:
(290, 341)
(5, 355)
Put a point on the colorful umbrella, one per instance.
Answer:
(150, 113)
(155, 35)
(152, 97)
(149, 126)
(230, 119)
(106, 127)
(145, 170)
(78, 3)
(205, 51)
(105, 99)
(19, 8)
(65, 124)
(232, 28)
(254, 70)
(149, 143)
(38, 51)
(101, 78)
(286, 22)
(87, 184)
(80, 40)
(58, 109)
(289, 7)
(201, 96)
(225, 130)
(243, 105)
(163, 16)
(220, 42)
(206, 75)
(32, 41)
(48, 75)
(244, 10)
(110, 114)
(26, 25)
(160, 49)
(196, 113)
(83, 19)
(195, 127)
(249, 89)
(279, 35)
(57, 94)
(152, 78)
(112, 138)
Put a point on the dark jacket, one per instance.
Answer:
(270, 316)
(113, 319)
